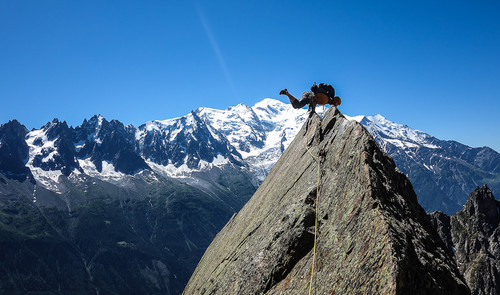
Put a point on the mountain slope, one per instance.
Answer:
(212, 160)
(99, 217)
(101, 238)
(373, 237)
(187, 141)
(251, 138)
(443, 172)
(260, 133)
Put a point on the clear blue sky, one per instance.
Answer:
(433, 65)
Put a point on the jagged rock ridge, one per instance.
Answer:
(443, 172)
(250, 138)
(96, 218)
(472, 236)
(373, 236)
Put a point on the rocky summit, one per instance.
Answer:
(372, 235)
(472, 236)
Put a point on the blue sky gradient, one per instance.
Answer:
(432, 65)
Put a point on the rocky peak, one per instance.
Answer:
(240, 124)
(12, 136)
(373, 237)
(96, 120)
(483, 209)
(101, 141)
(89, 128)
(56, 129)
(473, 237)
(14, 126)
(186, 140)
(443, 172)
(14, 151)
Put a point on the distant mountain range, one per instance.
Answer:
(443, 172)
(249, 138)
(155, 195)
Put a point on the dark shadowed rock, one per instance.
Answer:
(373, 236)
(441, 222)
(442, 172)
(61, 156)
(14, 151)
(474, 238)
(111, 142)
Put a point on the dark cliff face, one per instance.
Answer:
(188, 141)
(62, 155)
(373, 236)
(111, 141)
(97, 139)
(143, 234)
(14, 151)
(473, 238)
(443, 172)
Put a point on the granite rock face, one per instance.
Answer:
(373, 236)
(472, 236)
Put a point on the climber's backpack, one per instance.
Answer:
(324, 88)
(328, 91)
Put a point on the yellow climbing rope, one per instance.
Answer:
(315, 218)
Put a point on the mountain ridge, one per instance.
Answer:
(472, 237)
(252, 138)
(373, 237)
(443, 172)
(66, 175)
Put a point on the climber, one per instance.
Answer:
(319, 95)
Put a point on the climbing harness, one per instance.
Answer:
(318, 160)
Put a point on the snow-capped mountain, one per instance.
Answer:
(176, 147)
(249, 139)
(97, 148)
(102, 203)
(153, 197)
(398, 135)
(260, 133)
(135, 205)
(442, 171)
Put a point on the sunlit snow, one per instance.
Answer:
(396, 134)
(259, 133)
